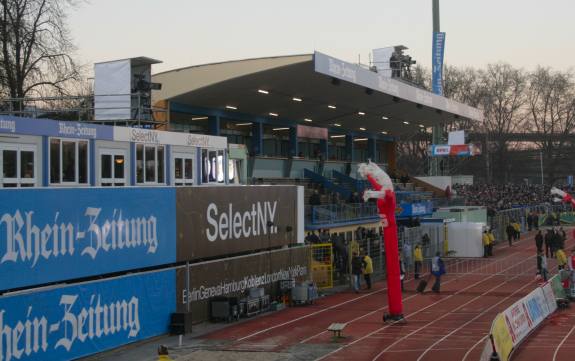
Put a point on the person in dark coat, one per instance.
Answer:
(539, 242)
(510, 230)
(357, 266)
(529, 222)
(548, 242)
(536, 220)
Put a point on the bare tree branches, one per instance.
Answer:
(36, 54)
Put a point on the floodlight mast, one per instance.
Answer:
(437, 129)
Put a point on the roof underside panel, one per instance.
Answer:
(299, 79)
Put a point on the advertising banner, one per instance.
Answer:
(222, 221)
(49, 235)
(417, 209)
(536, 306)
(502, 337)
(70, 322)
(53, 128)
(437, 54)
(353, 73)
(557, 287)
(150, 136)
(518, 321)
(234, 276)
(462, 150)
(304, 131)
(549, 297)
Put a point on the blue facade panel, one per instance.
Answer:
(49, 235)
(75, 321)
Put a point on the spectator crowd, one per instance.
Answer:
(503, 196)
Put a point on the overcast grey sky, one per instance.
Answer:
(525, 33)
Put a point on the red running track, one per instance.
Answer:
(449, 326)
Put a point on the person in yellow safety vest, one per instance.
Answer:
(491, 241)
(485, 239)
(561, 259)
(517, 228)
(367, 270)
(163, 353)
(418, 257)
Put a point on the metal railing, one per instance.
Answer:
(83, 108)
(339, 213)
(502, 218)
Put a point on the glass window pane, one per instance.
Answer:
(161, 164)
(213, 166)
(189, 170)
(150, 153)
(178, 168)
(106, 165)
(220, 170)
(54, 160)
(83, 162)
(68, 161)
(231, 170)
(10, 166)
(205, 166)
(119, 166)
(27, 164)
(139, 163)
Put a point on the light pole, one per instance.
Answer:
(541, 164)
(437, 129)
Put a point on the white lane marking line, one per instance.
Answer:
(482, 340)
(415, 313)
(562, 342)
(405, 299)
(318, 312)
(468, 322)
(348, 301)
(403, 338)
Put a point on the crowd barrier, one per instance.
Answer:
(515, 324)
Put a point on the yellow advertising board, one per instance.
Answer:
(502, 337)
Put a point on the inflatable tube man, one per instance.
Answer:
(383, 192)
(565, 197)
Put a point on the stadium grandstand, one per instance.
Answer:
(220, 191)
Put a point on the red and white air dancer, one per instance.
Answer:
(385, 195)
(565, 197)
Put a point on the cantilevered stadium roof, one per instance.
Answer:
(312, 89)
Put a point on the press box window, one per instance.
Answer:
(113, 168)
(183, 169)
(68, 161)
(212, 166)
(150, 164)
(17, 163)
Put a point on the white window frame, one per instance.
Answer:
(113, 152)
(224, 165)
(183, 156)
(77, 162)
(155, 146)
(18, 148)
